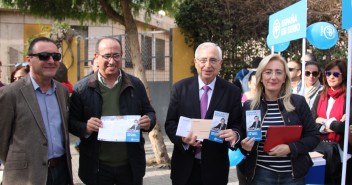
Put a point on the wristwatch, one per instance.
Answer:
(322, 127)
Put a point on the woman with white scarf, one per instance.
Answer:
(313, 86)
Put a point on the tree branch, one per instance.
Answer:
(111, 13)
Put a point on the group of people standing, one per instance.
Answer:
(39, 114)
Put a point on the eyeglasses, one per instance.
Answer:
(291, 69)
(45, 56)
(329, 73)
(204, 60)
(115, 56)
(270, 73)
(314, 73)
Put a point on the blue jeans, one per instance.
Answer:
(264, 176)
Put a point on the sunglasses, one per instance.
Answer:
(314, 73)
(45, 56)
(329, 73)
(291, 69)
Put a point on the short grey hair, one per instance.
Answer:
(208, 45)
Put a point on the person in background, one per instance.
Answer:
(21, 70)
(194, 162)
(254, 64)
(329, 113)
(61, 76)
(285, 163)
(295, 68)
(109, 92)
(313, 86)
(252, 88)
(95, 66)
(239, 77)
(34, 142)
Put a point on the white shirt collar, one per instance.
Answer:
(201, 83)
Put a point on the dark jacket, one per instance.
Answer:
(185, 102)
(86, 102)
(301, 162)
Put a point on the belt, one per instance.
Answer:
(53, 162)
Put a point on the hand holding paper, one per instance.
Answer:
(229, 135)
(191, 139)
(93, 125)
(247, 144)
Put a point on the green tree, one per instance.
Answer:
(240, 28)
(121, 11)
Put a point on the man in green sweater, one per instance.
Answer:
(109, 92)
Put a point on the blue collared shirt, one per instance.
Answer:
(50, 111)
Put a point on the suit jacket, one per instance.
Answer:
(185, 102)
(255, 125)
(219, 127)
(135, 127)
(23, 141)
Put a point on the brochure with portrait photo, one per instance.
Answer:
(120, 129)
(254, 124)
(219, 123)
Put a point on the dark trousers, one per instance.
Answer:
(196, 176)
(58, 175)
(121, 175)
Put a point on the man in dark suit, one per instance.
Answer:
(34, 142)
(221, 125)
(135, 127)
(211, 165)
(256, 124)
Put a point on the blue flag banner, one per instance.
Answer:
(288, 24)
(346, 14)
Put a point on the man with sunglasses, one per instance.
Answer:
(109, 92)
(34, 142)
(295, 68)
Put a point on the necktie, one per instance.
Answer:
(204, 101)
(203, 112)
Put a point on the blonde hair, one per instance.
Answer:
(285, 93)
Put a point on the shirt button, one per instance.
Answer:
(44, 163)
(45, 144)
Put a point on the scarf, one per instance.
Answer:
(311, 91)
(337, 110)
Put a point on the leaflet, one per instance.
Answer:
(219, 123)
(254, 124)
(199, 127)
(120, 129)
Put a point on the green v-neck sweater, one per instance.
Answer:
(112, 154)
